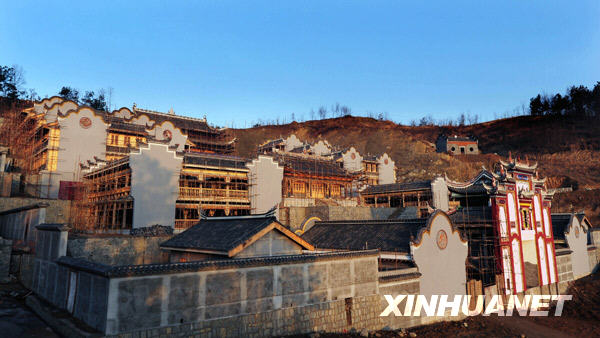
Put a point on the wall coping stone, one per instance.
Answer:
(25, 208)
(562, 252)
(399, 277)
(157, 269)
(53, 227)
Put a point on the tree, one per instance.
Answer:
(96, 102)
(11, 82)
(461, 119)
(345, 111)
(580, 97)
(559, 105)
(535, 106)
(322, 112)
(69, 93)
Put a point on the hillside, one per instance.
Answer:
(567, 149)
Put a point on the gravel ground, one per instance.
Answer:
(16, 320)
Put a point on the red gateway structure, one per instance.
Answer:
(519, 206)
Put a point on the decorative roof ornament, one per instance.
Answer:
(510, 156)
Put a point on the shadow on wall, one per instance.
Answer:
(155, 180)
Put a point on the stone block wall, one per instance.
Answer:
(118, 250)
(565, 270)
(56, 212)
(407, 284)
(162, 300)
(333, 316)
(5, 251)
(82, 294)
(19, 223)
(297, 215)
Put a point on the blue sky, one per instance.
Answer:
(240, 61)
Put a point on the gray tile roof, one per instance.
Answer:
(214, 160)
(385, 235)
(157, 269)
(219, 234)
(310, 165)
(396, 187)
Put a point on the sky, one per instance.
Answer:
(238, 62)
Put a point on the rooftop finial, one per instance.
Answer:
(510, 156)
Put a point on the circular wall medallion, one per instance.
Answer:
(353, 156)
(85, 122)
(442, 239)
(386, 161)
(167, 134)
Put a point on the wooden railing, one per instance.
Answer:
(199, 193)
(185, 223)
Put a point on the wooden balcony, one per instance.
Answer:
(199, 194)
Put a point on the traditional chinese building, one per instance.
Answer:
(508, 211)
(158, 185)
(229, 237)
(61, 134)
(422, 196)
(307, 180)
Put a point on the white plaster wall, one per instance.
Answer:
(124, 113)
(78, 145)
(143, 120)
(440, 194)
(265, 178)
(321, 148)
(578, 246)
(41, 107)
(387, 174)
(443, 272)
(154, 185)
(62, 107)
(350, 164)
(292, 142)
(178, 138)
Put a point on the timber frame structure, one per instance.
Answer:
(214, 184)
(400, 195)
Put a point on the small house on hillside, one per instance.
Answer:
(234, 237)
(457, 145)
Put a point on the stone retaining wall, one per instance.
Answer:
(118, 250)
(5, 251)
(56, 212)
(565, 269)
(297, 215)
(161, 300)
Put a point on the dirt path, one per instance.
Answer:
(527, 327)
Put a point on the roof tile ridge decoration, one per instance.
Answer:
(152, 269)
(98, 113)
(427, 229)
(266, 215)
(399, 277)
(148, 111)
(213, 155)
(374, 221)
(58, 104)
(456, 184)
